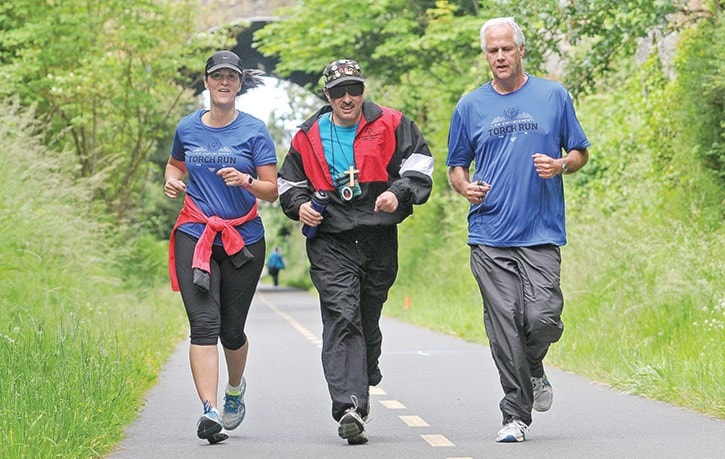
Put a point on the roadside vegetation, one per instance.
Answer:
(88, 317)
(85, 324)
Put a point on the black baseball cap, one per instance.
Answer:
(224, 60)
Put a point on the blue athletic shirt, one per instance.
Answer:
(500, 132)
(244, 144)
(337, 142)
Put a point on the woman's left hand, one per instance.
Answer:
(232, 177)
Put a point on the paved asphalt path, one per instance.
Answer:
(438, 399)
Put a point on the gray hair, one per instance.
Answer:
(509, 21)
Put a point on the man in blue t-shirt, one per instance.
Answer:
(523, 135)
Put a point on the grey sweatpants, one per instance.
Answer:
(522, 305)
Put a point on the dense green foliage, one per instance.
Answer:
(436, 43)
(80, 344)
(700, 66)
(110, 79)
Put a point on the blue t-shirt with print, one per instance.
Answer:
(244, 144)
(500, 133)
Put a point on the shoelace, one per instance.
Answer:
(520, 424)
(354, 401)
(232, 402)
(207, 406)
(537, 383)
(355, 405)
(516, 425)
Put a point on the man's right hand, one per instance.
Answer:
(309, 216)
(476, 192)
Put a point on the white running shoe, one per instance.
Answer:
(514, 431)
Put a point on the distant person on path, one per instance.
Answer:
(275, 264)
(217, 247)
(515, 128)
(374, 164)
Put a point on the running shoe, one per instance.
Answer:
(512, 432)
(352, 427)
(543, 393)
(234, 407)
(209, 426)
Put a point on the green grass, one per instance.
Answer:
(78, 348)
(649, 316)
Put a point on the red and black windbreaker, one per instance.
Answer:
(390, 153)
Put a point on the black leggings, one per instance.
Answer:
(220, 313)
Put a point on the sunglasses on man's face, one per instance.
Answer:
(339, 91)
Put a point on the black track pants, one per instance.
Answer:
(352, 272)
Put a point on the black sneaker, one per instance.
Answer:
(209, 425)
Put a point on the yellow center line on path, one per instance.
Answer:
(414, 421)
(374, 390)
(392, 404)
(291, 320)
(435, 440)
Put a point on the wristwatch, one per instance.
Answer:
(564, 166)
(249, 183)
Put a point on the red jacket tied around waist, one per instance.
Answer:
(232, 241)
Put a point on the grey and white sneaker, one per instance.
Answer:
(543, 393)
(352, 426)
(512, 432)
(234, 408)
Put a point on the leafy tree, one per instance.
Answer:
(390, 39)
(394, 37)
(107, 78)
(422, 55)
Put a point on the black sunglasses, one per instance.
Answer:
(339, 91)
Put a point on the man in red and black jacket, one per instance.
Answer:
(374, 165)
